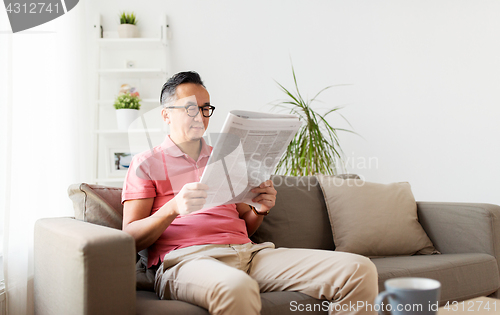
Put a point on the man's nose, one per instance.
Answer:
(199, 116)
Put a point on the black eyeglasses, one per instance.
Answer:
(193, 110)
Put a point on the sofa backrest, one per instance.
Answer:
(298, 220)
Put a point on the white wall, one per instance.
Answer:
(425, 77)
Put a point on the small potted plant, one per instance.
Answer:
(128, 25)
(127, 105)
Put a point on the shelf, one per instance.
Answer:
(133, 131)
(146, 102)
(110, 180)
(132, 72)
(131, 43)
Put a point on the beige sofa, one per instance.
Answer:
(87, 265)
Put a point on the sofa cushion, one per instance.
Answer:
(97, 204)
(147, 303)
(373, 219)
(462, 276)
(299, 218)
(277, 303)
(273, 303)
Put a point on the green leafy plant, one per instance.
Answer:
(315, 148)
(128, 18)
(127, 100)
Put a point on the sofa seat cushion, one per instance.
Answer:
(147, 303)
(276, 303)
(273, 303)
(462, 276)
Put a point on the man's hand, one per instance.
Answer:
(267, 195)
(191, 198)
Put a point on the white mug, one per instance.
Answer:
(408, 296)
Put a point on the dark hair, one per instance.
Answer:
(168, 90)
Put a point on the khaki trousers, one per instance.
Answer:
(228, 279)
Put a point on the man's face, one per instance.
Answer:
(184, 128)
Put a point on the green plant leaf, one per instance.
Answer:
(315, 148)
(127, 101)
(129, 18)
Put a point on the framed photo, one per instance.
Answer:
(118, 161)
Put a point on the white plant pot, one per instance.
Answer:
(127, 30)
(125, 116)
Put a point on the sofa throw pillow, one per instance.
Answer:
(97, 204)
(373, 219)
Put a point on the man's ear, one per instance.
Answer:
(165, 114)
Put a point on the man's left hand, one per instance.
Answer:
(267, 195)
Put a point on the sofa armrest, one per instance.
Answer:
(462, 227)
(83, 268)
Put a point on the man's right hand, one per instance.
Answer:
(191, 198)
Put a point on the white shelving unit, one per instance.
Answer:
(144, 102)
(121, 43)
(141, 63)
(138, 73)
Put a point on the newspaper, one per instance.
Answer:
(245, 154)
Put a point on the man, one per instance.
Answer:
(205, 257)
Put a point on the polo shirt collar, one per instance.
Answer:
(173, 150)
(206, 150)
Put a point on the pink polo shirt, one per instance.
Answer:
(160, 174)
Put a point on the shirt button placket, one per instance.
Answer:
(197, 171)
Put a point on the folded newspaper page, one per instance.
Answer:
(245, 154)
